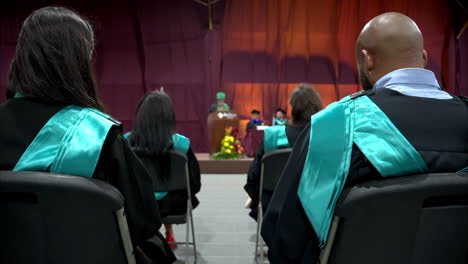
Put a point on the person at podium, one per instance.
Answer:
(255, 121)
(305, 101)
(220, 104)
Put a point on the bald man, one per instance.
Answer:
(402, 124)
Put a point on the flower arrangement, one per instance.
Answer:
(230, 146)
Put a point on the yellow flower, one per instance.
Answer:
(231, 139)
(228, 151)
(231, 147)
(226, 144)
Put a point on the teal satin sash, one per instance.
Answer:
(69, 143)
(326, 168)
(382, 143)
(277, 122)
(181, 143)
(160, 195)
(275, 137)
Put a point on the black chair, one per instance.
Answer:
(413, 219)
(273, 164)
(179, 180)
(53, 219)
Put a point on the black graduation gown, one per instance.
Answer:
(438, 129)
(117, 165)
(252, 125)
(252, 187)
(174, 203)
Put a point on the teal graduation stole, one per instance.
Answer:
(69, 143)
(275, 137)
(278, 122)
(181, 144)
(326, 168)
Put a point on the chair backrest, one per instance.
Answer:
(49, 219)
(273, 163)
(412, 219)
(178, 179)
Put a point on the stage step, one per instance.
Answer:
(211, 166)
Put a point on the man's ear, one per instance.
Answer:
(368, 61)
(425, 58)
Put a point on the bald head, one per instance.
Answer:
(389, 42)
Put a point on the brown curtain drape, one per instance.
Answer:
(271, 45)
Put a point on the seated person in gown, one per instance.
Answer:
(152, 137)
(255, 121)
(403, 124)
(54, 96)
(305, 101)
(280, 117)
(220, 104)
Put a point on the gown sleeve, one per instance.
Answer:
(286, 228)
(251, 125)
(194, 171)
(212, 108)
(252, 187)
(120, 166)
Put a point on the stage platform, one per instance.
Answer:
(211, 166)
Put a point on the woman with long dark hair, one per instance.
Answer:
(152, 137)
(305, 101)
(53, 104)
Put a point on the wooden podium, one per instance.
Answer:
(218, 121)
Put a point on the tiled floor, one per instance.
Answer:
(225, 233)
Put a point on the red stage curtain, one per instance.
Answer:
(257, 52)
(141, 46)
(271, 45)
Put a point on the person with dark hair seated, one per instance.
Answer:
(255, 121)
(280, 117)
(305, 101)
(57, 122)
(152, 137)
(401, 124)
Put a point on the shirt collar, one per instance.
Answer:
(408, 76)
